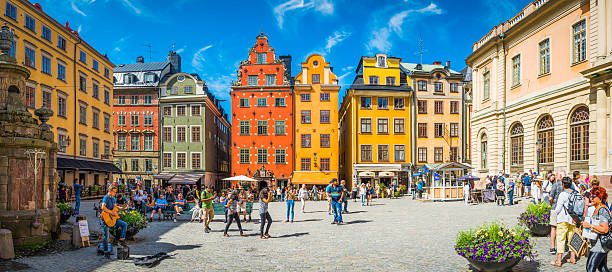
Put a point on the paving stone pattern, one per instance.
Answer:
(393, 235)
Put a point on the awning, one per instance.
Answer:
(164, 176)
(74, 164)
(318, 178)
(386, 174)
(185, 178)
(367, 174)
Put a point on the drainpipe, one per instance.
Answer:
(501, 37)
(413, 129)
(76, 101)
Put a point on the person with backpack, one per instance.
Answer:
(556, 189)
(565, 222)
(597, 221)
(527, 179)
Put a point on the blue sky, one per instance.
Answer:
(212, 37)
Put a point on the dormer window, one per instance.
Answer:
(128, 79)
(149, 78)
(381, 61)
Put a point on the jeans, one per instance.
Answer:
(511, 197)
(337, 207)
(230, 218)
(290, 208)
(122, 225)
(77, 204)
(363, 198)
(345, 201)
(597, 261)
(265, 218)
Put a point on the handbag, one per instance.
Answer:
(605, 239)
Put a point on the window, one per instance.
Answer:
(305, 164)
(305, 117)
(422, 106)
(325, 142)
(324, 96)
(438, 154)
(82, 83)
(516, 70)
(305, 140)
(46, 65)
(453, 156)
(279, 156)
(167, 160)
(373, 80)
(544, 57)
(366, 153)
(454, 129)
(261, 58)
(83, 57)
(454, 87)
(381, 62)
(106, 122)
(422, 130)
(94, 65)
(279, 127)
(399, 126)
(244, 127)
(122, 142)
(383, 126)
(195, 134)
(383, 103)
(148, 142)
(366, 102)
(483, 151)
(579, 42)
(135, 142)
(279, 102)
(61, 140)
(148, 165)
(134, 100)
(106, 96)
(316, 78)
(149, 78)
(422, 154)
(262, 127)
(30, 97)
(439, 107)
(61, 105)
(167, 134)
(30, 22)
(262, 102)
(195, 160)
(61, 72)
(174, 90)
(30, 57)
(107, 149)
(121, 100)
(253, 80)
(181, 134)
(181, 160)
(398, 103)
(516, 144)
(486, 85)
(134, 118)
(422, 85)
(46, 99)
(454, 107)
(106, 72)
(188, 89)
(11, 11)
(438, 130)
(121, 120)
(325, 117)
(148, 99)
(61, 42)
(83, 146)
(400, 152)
(325, 164)
(95, 89)
(244, 155)
(366, 125)
(83, 114)
(438, 87)
(195, 110)
(579, 134)
(305, 97)
(180, 110)
(390, 80)
(244, 102)
(95, 114)
(270, 80)
(383, 152)
(262, 156)
(167, 111)
(545, 132)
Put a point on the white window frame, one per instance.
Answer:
(176, 159)
(191, 160)
(176, 133)
(191, 133)
(171, 160)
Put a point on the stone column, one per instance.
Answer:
(602, 127)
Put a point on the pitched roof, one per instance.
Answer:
(426, 68)
(141, 67)
(467, 73)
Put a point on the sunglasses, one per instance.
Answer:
(592, 197)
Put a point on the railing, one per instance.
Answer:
(540, 3)
(517, 18)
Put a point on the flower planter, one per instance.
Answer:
(493, 266)
(64, 218)
(540, 229)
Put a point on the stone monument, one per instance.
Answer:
(27, 204)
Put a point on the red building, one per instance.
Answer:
(262, 119)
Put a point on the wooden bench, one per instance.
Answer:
(219, 208)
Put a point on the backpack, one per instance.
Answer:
(575, 208)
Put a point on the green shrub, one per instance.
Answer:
(494, 243)
(135, 222)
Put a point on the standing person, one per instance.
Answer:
(242, 205)
(290, 196)
(329, 204)
(420, 188)
(547, 187)
(536, 191)
(362, 193)
(565, 223)
(209, 213)
(511, 192)
(345, 196)
(303, 196)
(466, 192)
(499, 192)
(62, 193)
(335, 193)
(370, 194)
(598, 221)
(315, 192)
(264, 198)
(232, 209)
(556, 189)
(108, 204)
(527, 179)
(278, 194)
(354, 193)
(77, 195)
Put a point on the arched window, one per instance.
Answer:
(516, 144)
(579, 133)
(546, 131)
(483, 151)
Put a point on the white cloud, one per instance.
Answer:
(130, 5)
(76, 9)
(220, 85)
(344, 75)
(79, 29)
(336, 38)
(322, 6)
(380, 40)
(432, 8)
(181, 50)
(198, 58)
(348, 68)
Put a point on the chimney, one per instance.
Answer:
(437, 63)
(419, 66)
(139, 59)
(447, 66)
(175, 62)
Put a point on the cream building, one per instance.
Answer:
(541, 91)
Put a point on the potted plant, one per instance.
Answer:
(135, 222)
(66, 211)
(537, 218)
(494, 247)
(383, 189)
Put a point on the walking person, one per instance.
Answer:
(206, 198)
(598, 221)
(362, 193)
(265, 197)
(369, 193)
(290, 196)
(242, 205)
(345, 196)
(303, 194)
(77, 195)
(232, 210)
(335, 193)
(565, 223)
(354, 193)
(466, 192)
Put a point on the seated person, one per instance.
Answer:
(179, 205)
(160, 204)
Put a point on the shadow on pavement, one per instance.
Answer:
(357, 222)
(315, 212)
(523, 265)
(309, 220)
(292, 235)
(354, 212)
(8, 265)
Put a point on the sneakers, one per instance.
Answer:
(174, 220)
(334, 222)
(206, 230)
(553, 251)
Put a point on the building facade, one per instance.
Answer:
(262, 115)
(375, 118)
(73, 79)
(316, 123)
(533, 106)
(136, 117)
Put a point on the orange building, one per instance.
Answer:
(262, 121)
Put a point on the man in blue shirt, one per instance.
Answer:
(511, 191)
(179, 205)
(527, 181)
(108, 204)
(160, 204)
(77, 195)
(335, 192)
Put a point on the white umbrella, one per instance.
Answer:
(240, 178)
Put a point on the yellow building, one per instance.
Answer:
(375, 118)
(75, 81)
(316, 123)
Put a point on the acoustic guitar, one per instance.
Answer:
(110, 219)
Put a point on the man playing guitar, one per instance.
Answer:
(108, 206)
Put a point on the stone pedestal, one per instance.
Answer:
(6, 245)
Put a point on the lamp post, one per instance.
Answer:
(538, 150)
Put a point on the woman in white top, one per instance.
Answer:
(536, 191)
(547, 187)
(303, 194)
(565, 223)
(362, 193)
